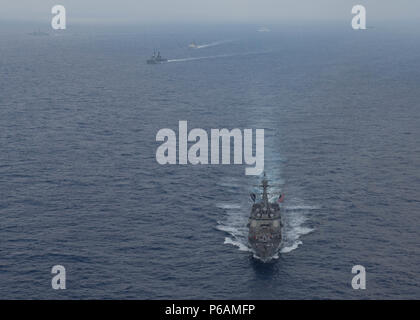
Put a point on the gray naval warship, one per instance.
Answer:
(265, 225)
(156, 58)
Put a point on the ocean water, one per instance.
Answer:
(80, 185)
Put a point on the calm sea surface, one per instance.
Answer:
(80, 185)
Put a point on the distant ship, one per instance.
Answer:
(263, 29)
(265, 225)
(39, 33)
(193, 45)
(156, 59)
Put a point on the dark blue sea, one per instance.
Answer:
(80, 185)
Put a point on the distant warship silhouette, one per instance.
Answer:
(156, 58)
(193, 45)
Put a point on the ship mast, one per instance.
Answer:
(265, 196)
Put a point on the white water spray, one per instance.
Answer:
(211, 44)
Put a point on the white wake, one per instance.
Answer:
(211, 44)
(201, 58)
(217, 56)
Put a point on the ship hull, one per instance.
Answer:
(156, 61)
(265, 250)
(265, 226)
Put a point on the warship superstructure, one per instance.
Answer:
(156, 58)
(193, 45)
(265, 225)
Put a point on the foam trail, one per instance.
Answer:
(229, 206)
(212, 44)
(238, 244)
(202, 58)
(302, 207)
(294, 218)
(216, 56)
(234, 224)
(291, 248)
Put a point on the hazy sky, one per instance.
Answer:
(161, 11)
